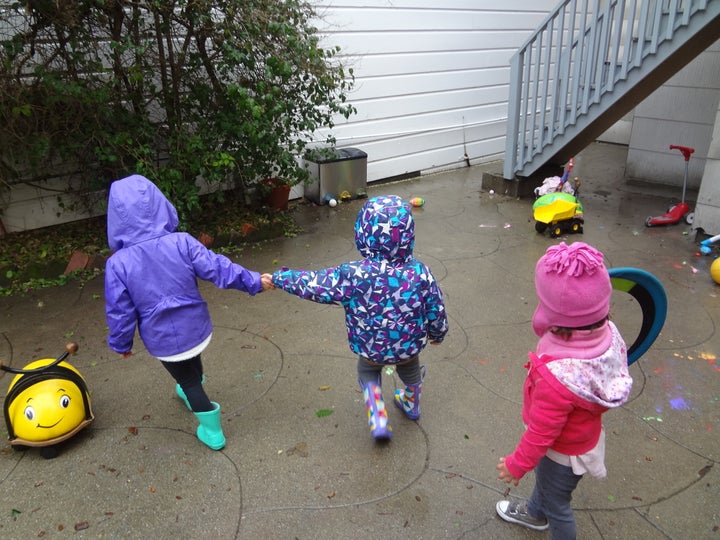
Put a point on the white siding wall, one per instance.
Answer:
(431, 77)
(707, 211)
(681, 112)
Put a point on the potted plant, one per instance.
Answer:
(277, 192)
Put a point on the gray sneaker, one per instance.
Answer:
(515, 512)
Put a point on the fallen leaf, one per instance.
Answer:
(331, 495)
(82, 526)
(323, 412)
(323, 388)
(133, 430)
(300, 449)
(706, 469)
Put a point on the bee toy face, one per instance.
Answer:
(47, 405)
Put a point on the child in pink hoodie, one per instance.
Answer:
(578, 372)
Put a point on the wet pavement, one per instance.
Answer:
(299, 460)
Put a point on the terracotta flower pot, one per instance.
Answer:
(279, 197)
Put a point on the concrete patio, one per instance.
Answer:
(299, 461)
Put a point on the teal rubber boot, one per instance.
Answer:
(181, 394)
(209, 431)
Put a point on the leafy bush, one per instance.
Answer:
(227, 91)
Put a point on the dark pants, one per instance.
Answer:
(554, 484)
(409, 371)
(189, 375)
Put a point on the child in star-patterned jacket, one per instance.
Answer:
(393, 305)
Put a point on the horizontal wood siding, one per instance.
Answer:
(431, 78)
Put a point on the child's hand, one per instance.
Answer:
(505, 475)
(433, 342)
(267, 282)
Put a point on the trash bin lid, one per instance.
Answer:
(338, 154)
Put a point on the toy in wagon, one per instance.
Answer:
(557, 207)
(47, 402)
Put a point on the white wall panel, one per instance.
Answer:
(681, 112)
(511, 5)
(431, 77)
(372, 87)
(440, 62)
(430, 41)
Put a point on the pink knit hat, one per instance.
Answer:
(573, 287)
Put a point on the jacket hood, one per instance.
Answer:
(385, 229)
(137, 211)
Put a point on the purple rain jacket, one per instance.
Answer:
(151, 279)
(392, 302)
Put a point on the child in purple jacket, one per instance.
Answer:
(151, 284)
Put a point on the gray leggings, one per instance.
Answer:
(408, 371)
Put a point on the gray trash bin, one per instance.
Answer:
(340, 173)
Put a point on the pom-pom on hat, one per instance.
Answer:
(573, 287)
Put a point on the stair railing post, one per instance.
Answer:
(513, 121)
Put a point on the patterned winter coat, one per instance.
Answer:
(392, 302)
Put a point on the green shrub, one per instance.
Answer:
(230, 91)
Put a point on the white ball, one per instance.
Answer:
(492, 192)
(332, 202)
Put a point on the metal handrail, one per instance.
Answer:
(574, 60)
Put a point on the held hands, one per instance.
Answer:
(505, 475)
(267, 282)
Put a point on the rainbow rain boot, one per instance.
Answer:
(408, 400)
(376, 412)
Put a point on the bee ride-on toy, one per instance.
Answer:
(560, 210)
(47, 403)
